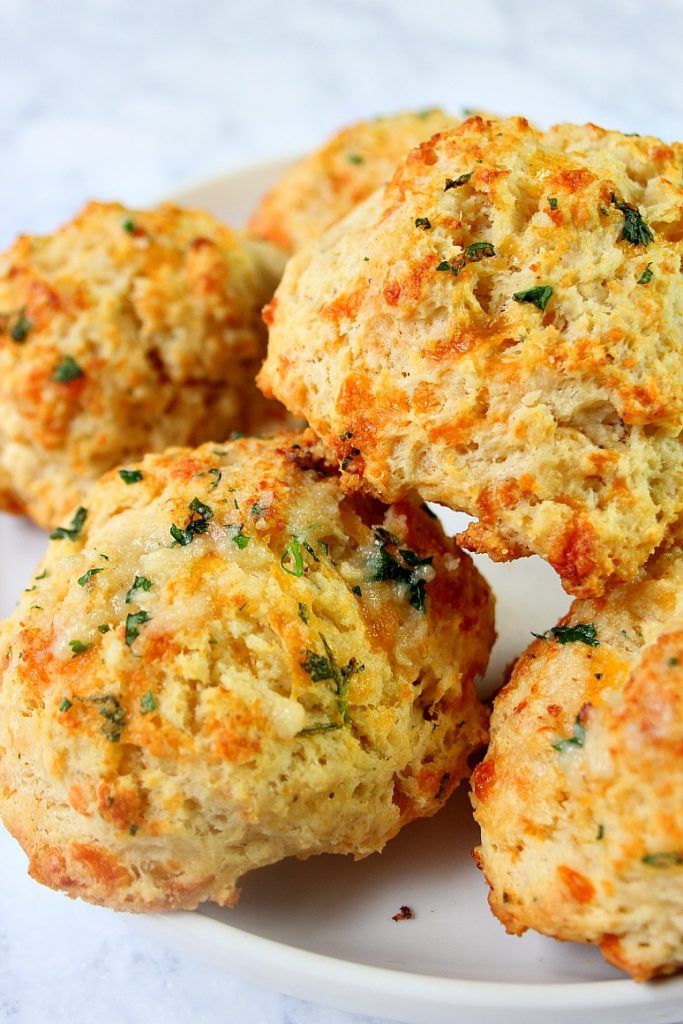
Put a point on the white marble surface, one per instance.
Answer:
(128, 99)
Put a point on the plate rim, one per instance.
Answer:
(187, 930)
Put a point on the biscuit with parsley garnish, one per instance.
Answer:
(224, 660)
(123, 332)
(499, 329)
(580, 797)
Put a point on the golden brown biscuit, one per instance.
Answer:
(123, 332)
(225, 661)
(322, 187)
(580, 798)
(499, 329)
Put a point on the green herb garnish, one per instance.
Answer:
(113, 714)
(78, 647)
(635, 230)
(65, 705)
(133, 620)
(148, 703)
(539, 296)
(577, 738)
(646, 275)
(321, 667)
(667, 859)
(356, 590)
(217, 475)
(582, 632)
(385, 566)
(72, 531)
(139, 583)
(355, 158)
(67, 369)
(424, 223)
(303, 613)
(20, 328)
(292, 555)
(82, 580)
(128, 224)
(322, 727)
(198, 523)
(104, 628)
(130, 476)
(457, 182)
(237, 537)
(552, 202)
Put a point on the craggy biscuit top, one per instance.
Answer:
(223, 661)
(580, 795)
(322, 187)
(124, 331)
(499, 328)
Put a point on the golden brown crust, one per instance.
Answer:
(554, 417)
(579, 797)
(288, 671)
(122, 332)
(320, 189)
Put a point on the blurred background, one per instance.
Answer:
(131, 100)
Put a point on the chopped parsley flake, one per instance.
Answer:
(356, 590)
(78, 647)
(133, 620)
(104, 628)
(457, 182)
(321, 667)
(237, 537)
(552, 202)
(256, 510)
(672, 662)
(478, 250)
(577, 739)
(604, 211)
(20, 328)
(473, 253)
(130, 476)
(198, 523)
(292, 560)
(646, 275)
(384, 566)
(82, 580)
(539, 296)
(139, 583)
(114, 717)
(72, 531)
(424, 223)
(355, 158)
(582, 632)
(667, 859)
(217, 475)
(128, 224)
(635, 230)
(66, 370)
(65, 705)
(303, 613)
(148, 703)
(322, 727)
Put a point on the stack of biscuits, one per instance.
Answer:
(250, 637)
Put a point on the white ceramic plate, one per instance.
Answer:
(323, 930)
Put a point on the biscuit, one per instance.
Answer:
(579, 798)
(222, 661)
(125, 331)
(499, 329)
